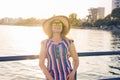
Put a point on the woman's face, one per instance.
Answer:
(57, 26)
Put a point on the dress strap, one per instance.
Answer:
(71, 41)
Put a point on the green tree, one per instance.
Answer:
(29, 21)
(108, 17)
(115, 13)
(86, 24)
(73, 19)
(99, 22)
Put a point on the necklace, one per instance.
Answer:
(57, 41)
(57, 51)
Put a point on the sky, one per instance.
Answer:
(48, 8)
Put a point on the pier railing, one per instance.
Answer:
(80, 54)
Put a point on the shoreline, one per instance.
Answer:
(113, 29)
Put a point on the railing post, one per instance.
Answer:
(75, 75)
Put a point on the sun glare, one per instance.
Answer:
(46, 8)
(26, 39)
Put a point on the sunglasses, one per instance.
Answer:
(57, 24)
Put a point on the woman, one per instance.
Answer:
(57, 49)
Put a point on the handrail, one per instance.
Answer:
(117, 78)
(14, 58)
(80, 54)
(103, 53)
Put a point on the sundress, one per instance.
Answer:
(58, 63)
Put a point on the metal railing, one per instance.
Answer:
(80, 54)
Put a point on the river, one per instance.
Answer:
(25, 40)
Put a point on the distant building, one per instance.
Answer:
(7, 20)
(115, 4)
(96, 13)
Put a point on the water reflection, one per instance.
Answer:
(115, 65)
(91, 40)
(26, 40)
(116, 42)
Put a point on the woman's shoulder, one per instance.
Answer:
(69, 40)
(44, 41)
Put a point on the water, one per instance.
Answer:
(16, 40)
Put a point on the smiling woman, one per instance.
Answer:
(56, 49)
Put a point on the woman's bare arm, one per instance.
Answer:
(42, 58)
(74, 56)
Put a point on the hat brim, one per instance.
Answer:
(47, 24)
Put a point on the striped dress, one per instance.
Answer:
(58, 60)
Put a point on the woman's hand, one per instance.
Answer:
(71, 76)
(50, 78)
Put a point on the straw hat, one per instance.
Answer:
(47, 24)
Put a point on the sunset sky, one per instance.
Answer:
(47, 8)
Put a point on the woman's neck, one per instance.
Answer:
(56, 37)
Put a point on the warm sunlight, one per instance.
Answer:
(28, 39)
(47, 8)
(91, 48)
(24, 40)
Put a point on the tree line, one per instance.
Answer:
(111, 20)
(21, 21)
